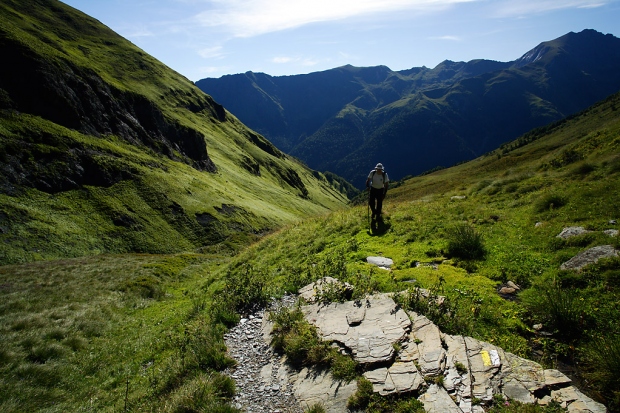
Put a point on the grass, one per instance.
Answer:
(116, 298)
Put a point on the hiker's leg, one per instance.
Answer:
(379, 201)
(372, 198)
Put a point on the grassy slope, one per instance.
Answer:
(140, 332)
(164, 196)
(567, 175)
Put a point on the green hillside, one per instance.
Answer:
(106, 150)
(122, 240)
(139, 332)
(511, 205)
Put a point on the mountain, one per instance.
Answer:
(105, 149)
(346, 119)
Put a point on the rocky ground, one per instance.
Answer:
(261, 380)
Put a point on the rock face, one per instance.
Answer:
(590, 256)
(401, 353)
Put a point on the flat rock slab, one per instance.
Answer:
(572, 232)
(437, 400)
(590, 256)
(380, 262)
(400, 377)
(313, 387)
(367, 328)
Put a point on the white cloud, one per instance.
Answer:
(211, 52)
(450, 38)
(246, 18)
(523, 8)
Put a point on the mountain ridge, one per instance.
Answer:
(421, 118)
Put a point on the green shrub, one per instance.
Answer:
(560, 310)
(361, 398)
(465, 242)
(549, 202)
(604, 371)
(245, 288)
(207, 393)
(343, 367)
(315, 408)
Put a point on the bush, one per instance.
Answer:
(245, 288)
(604, 356)
(558, 309)
(464, 242)
(549, 202)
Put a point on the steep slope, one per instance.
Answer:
(105, 149)
(418, 119)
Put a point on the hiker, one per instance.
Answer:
(377, 183)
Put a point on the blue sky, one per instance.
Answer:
(212, 38)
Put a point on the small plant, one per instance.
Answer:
(464, 242)
(460, 367)
(361, 398)
(315, 408)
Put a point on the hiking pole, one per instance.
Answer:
(368, 204)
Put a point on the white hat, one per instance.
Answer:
(379, 166)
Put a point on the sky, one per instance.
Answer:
(213, 38)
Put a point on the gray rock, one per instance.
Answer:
(611, 232)
(590, 256)
(380, 262)
(538, 224)
(318, 387)
(571, 232)
(437, 400)
(401, 377)
(372, 339)
(513, 285)
(428, 352)
(613, 222)
(555, 378)
(485, 361)
(458, 383)
(515, 390)
(507, 290)
(457, 197)
(584, 404)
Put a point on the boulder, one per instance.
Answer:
(425, 346)
(571, 232)
(590, 256)
(611, 232)
(381, 262)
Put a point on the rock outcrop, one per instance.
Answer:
(589, 256)
(401, 353)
